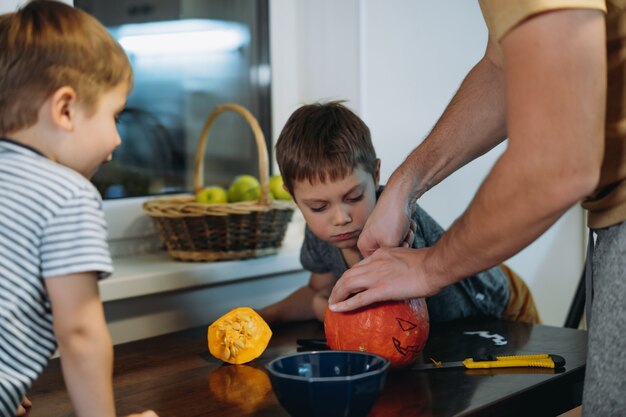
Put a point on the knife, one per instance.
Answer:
(314, 344)
(542, 360)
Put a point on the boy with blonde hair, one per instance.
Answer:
(329, 166)
(64, 80)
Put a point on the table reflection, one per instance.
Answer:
(243, 386)
(406, 393)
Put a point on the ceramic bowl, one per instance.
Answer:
(328, 383)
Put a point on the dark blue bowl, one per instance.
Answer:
(328, 383)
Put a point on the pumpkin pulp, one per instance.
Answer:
(239, 336)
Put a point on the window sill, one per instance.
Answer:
(142, 275)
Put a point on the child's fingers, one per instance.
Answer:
(410, 236)
(148, 413)
(24, 408)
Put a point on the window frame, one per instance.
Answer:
(125, 217)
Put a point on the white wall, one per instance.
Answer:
(399, 63)
(314, 55)
(8, 6)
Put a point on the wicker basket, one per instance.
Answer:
(193, 231)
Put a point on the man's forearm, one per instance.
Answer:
(508, 213)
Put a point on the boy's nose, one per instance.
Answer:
(341, 216)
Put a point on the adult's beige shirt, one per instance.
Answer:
(607, 206)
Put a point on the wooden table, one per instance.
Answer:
(175, 376)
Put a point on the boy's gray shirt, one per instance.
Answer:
(484, 294)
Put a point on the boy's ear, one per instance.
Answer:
(63, 108)
(377, 175)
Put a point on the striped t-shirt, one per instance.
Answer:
(51, 224)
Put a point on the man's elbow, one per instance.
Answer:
(579, 183)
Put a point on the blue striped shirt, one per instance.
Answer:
(51, 224)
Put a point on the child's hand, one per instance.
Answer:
(410, 235)
(148, 413)
(320, 301)
(24, 408)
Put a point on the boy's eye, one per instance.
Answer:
(118, 116)
(355, 199)
(318, 209)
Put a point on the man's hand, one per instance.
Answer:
(390, 223)
(388, 274)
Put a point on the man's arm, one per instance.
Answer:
(555, 72)
(555, 77)
(472, 124)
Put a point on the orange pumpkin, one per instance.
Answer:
(239, 336)
(396, 330)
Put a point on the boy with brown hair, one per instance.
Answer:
(64, 81)
(330, 168)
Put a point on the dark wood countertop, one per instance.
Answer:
(176, 376)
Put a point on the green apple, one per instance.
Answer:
(277, 188)
(244, 188)
(212, 195)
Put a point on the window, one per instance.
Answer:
(188, 56)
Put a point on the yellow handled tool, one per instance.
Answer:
(542, 360)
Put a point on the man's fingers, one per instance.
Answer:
(358, 300)
(352, 290)
(346, 285)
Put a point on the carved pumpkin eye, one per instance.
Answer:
(406, 325)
